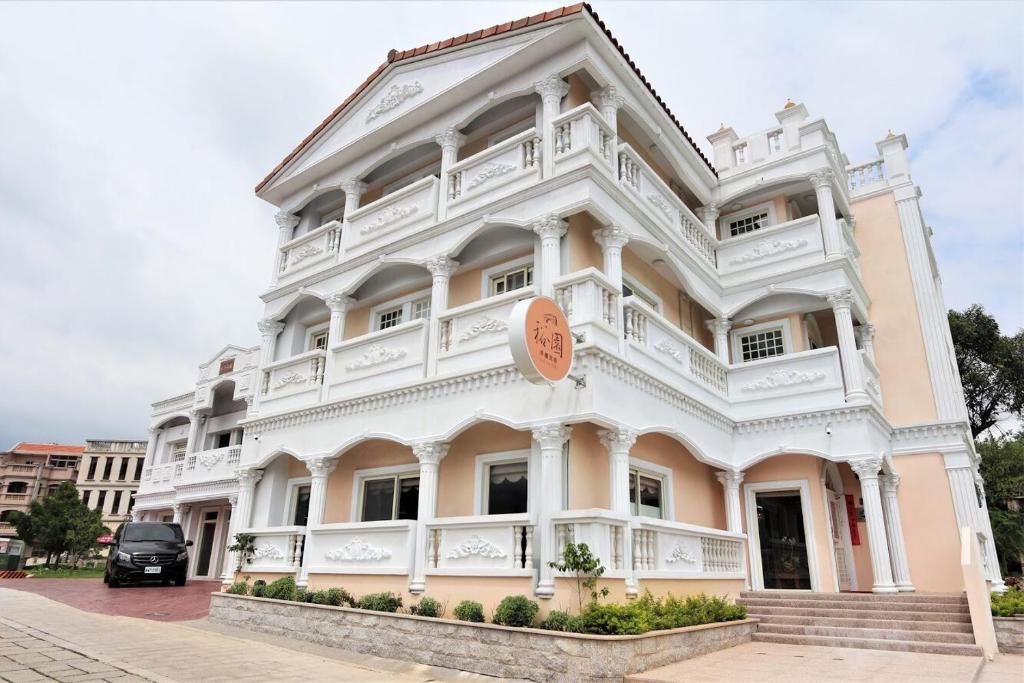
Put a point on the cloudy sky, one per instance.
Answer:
(131, 137)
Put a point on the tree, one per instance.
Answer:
(1002, 468)
(585, 568)
(60, 523)
(991, 367)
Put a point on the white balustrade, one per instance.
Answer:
(872, 378)
(604, 532)
(404, 211)
(379, 359)
(211, 465)
(294, 375)
(510, 164)
(588, 296)
(866, 175)
(477, 333)
(309, 249)
(772, 250)
(277, 549)
(385, 547)
(582, 136)
(484, 545)
(664, 549)
(792, 382)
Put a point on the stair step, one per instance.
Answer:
(871, 644)
(847, 622)
(936, 598)
(888, 606)
(761, 611)
(872, 633)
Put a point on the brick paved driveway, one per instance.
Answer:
(162, 603)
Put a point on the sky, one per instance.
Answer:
(132, 136)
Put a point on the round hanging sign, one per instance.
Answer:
(540, 339)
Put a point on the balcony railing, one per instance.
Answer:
(23, 469)
(672, 549)
(582, 136)
(379, 359)
(314, 247)
(14, 497)
(295, 375)
(485, 545)
(217, 463)
(404, 211)
(872, 378)
(477, 333)
(509, 165)
(277, 549)
(772, 249)
(866, 175)
(795, 381)
(361, 548)
(604, 532)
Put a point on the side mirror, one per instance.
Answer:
(188, 543)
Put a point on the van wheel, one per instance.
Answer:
(180, 581)
(113, 582)
(106, 577)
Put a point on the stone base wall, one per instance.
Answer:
(489, 649)
(1010, 634)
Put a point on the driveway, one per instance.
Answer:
(161, 603)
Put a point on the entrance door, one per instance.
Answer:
(207, 537)
(837, 515)
(780, 527)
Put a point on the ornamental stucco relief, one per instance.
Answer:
(669, 349)
(483, 325)
(680, 554)
(267, 552)
(782, 377)
(475, 546)
(305, 252)
(393, 98)
(358, 550)
(489, 172)
(387, 217)
(376, 355)
(767, 248)
(290, 378)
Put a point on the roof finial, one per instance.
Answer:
(789, 104)
(890, 135)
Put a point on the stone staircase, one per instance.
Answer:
(903, 622)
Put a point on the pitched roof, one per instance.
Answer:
(47, 449)
(397, 56)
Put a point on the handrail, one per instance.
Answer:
(297, 358)
(578, 111)
(694, 529)
(493, 151)
(400, 193)
(311, 235)
(377, 335)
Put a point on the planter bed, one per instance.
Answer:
(524, 653)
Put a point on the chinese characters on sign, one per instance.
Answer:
(540, 340)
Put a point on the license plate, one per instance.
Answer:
(153, 570)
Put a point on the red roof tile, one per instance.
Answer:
(47, 449)
(396, 56)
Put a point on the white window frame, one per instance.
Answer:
(740, 154)
(750, 491)
(645, 292)
(360, 476)
(291, 500)
(502, 269)
(737, 346)
(663, 473)
(776, 135)
(314, 330)
(405, 303)
(724, 221)
(481, 469)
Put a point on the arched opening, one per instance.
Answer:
(171, 439)
(282, 493)
(395, 294)
(305, 328)
(497, 260)
(499, 123)
(374, 480)
(220, 423)
(319, 211)
(785, 200)
(487, 471)
(645, 145)
(6, 516)
(405, 168)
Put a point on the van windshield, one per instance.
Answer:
(153, 532)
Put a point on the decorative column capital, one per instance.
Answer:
(354, 186)
(730, 479)
(609, 98)
(450, 138)
(552, 89)
(867, 468)
(233, 501)
(840, 299)
(551, 436)
(719, 325)
(339, 302)
(249, 476)
(866, 332)
(612, 237)
(286, 220)
(550, 226)
(441, 266)
(708, 213)
(430, 452)
(269, 327)
(890, 482)
(321, 467)
(821, 180)
(618, 439)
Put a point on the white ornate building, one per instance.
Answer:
(770, 395)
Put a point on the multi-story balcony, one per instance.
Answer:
(212, 465)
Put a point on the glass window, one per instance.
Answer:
(301, 514)
(389, 318)
(92, 469)
(628, 290)
(122, 473)
(178, 451)
(154, 532)
(507, 487)
(115, 506)
(512, 280)
(741, 155)
(645, 496)
(764, 344)
(107, 467)
(748, 224)
(223, 440)
(421, 309)
(138, 469)
(380, 502)
(318, 340)
(101, 498)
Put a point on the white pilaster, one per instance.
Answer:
(450, 140)
(286, 223)
(154, 436)
(319, 471)
(612, 239)
(709, 215)
(866, 332)
(550, 439)
(618, 442)
(227, 577)
(179, 510)
(193, 431)
(269, 329)
(894, 531)
(551, 90)
(441, 270)
(822, 182)
(550, 230)
(971, 511)
(878, 545)
(730, 482)
(853, 371)
(609, 101)
(241, 509)
(339, 304)
(720, 329)
(353, 189)
(430, 456)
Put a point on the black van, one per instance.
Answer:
(147, 551)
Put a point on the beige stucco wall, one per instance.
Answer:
(456, 484)
(578, 93)
(584, 251)
(465, 286)
(930, 530)
(374, 453)
(698, 497)
(899, 344)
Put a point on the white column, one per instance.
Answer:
(339, 304)
(180, 510)
(137, 515)
(866, 332)
(241, 510)
(720, 329)
(550, 229)
(550, 438)
(319, 471)
(709, 215)
(193, 432)
(551, 90)
(731, 481)
(449, 141)
(269, 329)
(609, 101)
(430, 456)
(612, 239)
(286, 223)
(441, 269)
(822, 182)
(849, 357)
(230, 561)
(881, 568)
(894, 531)
(618, 442)
(971, 511)
(154, 436)
(353, 189)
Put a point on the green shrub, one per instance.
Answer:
(282, 589)
(558, 620)
(467, 610)
(578, 562)
(428, 607)
(239, 588)
(303, 595)
(259, 589)
(516, 610)
(654, 614)
(380, 602)
(1008, 604)
(334, 596)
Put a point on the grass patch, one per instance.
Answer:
(41, 572)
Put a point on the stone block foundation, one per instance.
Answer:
(1010, 634)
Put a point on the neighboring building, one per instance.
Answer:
(770, 398)
(109, 477)
(32, 470)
